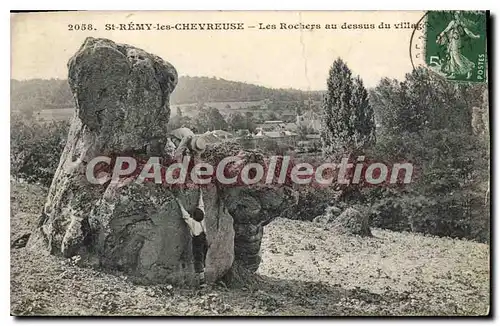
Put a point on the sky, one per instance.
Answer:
(41, 44)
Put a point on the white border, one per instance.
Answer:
(197, 5)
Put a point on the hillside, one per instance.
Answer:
(40, 94)
(204, 89)
(305, 271)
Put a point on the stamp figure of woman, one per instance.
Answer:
(452, 37)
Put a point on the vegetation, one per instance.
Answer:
(205, 89)
(423, 119)
(424, 101)
(237, 121)
(32, 95)
(306, 269)
(35, 148)
(427, 121)
(348, 121)
(209, 119)
(447, 196)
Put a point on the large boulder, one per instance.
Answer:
(122, 95)
(252, 207)
(139, 229)
(122, 107)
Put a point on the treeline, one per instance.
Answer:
(205, 89)
(441, 127)
(32, 95)
(433, 123)
(208, 118)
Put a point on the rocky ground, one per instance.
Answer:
(305, 271)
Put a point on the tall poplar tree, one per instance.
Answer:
(348, 122)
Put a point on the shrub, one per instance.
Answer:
(447, 195)
(36, 147)
(311, 203)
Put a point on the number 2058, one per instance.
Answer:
(80, 27)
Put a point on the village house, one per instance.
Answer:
(309, 120)
(272, 125)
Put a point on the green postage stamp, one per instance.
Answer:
(456, 44)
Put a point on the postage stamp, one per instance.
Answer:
(455, 44)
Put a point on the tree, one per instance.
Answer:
(298, 109)
(179, 111)
(272, 116)
(251, 125)
(427, 119)
(364, 121)
(261, 117)
(210, 119)
(29, 96)
(348, 122)
(303, 131)
(424, 101)
(178, 122)
(236, 121)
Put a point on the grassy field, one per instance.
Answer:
(305, 271)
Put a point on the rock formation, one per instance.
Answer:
(122, 107)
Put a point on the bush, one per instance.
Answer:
(447, 194)
(312, 201)
(273, 147)
(36, 147)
